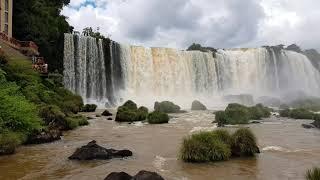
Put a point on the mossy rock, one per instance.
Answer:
(301, 114)
(198, 106)
(157, 117)
(237, 114)
(142, 113)
(220, 118)
(166, 107)
(89, 108)
(74, 121)
(285, 113)
(130, 105)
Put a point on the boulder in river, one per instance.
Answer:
(308, 126)
(93, 151)
(167, 107)
(142, 175)
(129, 112)
(106, 113)
(118, 176)
(109, 119)
(198, 106)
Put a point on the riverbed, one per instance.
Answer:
(287, 151)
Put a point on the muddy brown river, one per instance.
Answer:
(287, 151)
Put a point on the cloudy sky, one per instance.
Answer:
(216, 23)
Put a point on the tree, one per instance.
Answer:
(88, 31)
(42, 22)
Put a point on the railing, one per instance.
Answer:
(26, 47)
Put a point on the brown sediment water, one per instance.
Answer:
(287, 151)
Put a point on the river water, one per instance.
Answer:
(288, 150)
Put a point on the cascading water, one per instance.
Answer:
(105, 72)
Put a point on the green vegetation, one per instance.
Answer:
(218, 145)
(244, 143)
(198, 47)
(89, 108)
(157, 117)
(129, 112)
(30, 104)
(240, 114)
(310, 103)
(41, 22)
(198, 106)
(166, 107)
(297, 113)
(74, 121)
(313, 174)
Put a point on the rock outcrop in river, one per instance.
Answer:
(142, 175)
(93, 151)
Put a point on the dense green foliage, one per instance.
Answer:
(129, 112)
(41, 22)
(297, 113)
(89, 108)
(240, 114)
(157, 117)
(313, 174)
(29, 104)
(218, 145)
(198, 47)
(311, 103)
(166, 107)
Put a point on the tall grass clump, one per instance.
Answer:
(218, 145)
(244, 143)
(313, 174)
(204, 147)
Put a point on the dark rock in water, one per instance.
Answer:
(110, 119)
(255, 122)
(106, 113)
(142, 175)
(93, 151)
(89, 117)
(316, 123)
(245, 99)
(98, 115)
(146, 175)
(118, 176)
(308, 126)
(45, 136)
(198, 106)
(166, 107)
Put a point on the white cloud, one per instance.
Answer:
(217, 23)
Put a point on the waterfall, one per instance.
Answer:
(108, 73)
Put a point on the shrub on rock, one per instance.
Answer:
(285, 113)
(142, 113)
(130, 105)
(8, 142)
(157, 117)
(237, 114)
(89, 108)
(129, 112)
(74, 121)
(244, 143)
(166, 107)
(198, 106)
(52, 115)
(301, 114)
(313, 174)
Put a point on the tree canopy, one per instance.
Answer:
(41, 21)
